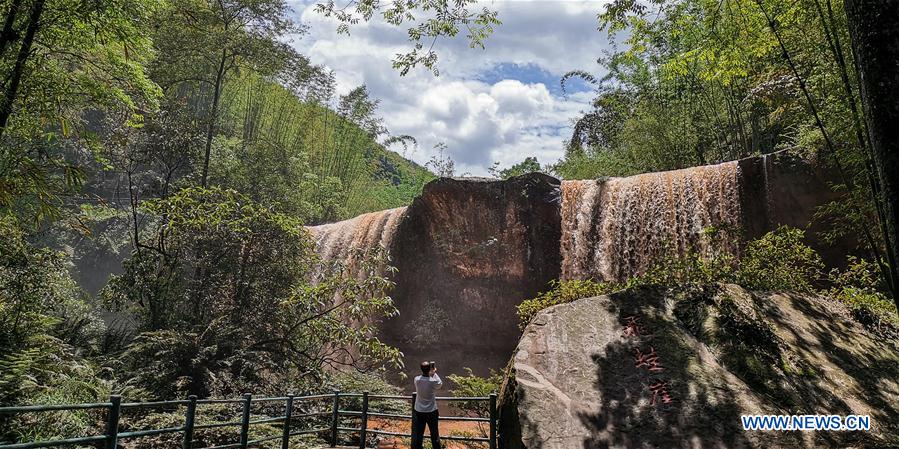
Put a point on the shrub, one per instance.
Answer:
(561, 292)
(471, 385)
(860, 286)
(779, 260)
(686, 270)
(375, 384)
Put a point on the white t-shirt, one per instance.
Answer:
(426, 388)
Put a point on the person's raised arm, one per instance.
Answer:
(437, 382)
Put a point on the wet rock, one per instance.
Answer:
(467, 252)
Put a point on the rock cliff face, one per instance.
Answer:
(469, 250)
(648, 369)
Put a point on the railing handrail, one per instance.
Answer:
(115, 406)
(98, 405)
(409, 397)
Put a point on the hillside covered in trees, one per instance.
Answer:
(158, 162)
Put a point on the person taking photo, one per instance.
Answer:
(424, 412)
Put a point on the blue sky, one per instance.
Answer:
(530, 73)
(500, 104)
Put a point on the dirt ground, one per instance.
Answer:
(456, 428)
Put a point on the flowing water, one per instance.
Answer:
(619, 227)
(346, 240)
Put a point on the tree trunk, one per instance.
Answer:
(213, 116)
(12, 89)
(874, 29)
(8, 35)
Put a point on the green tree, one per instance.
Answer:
(874, 26)
(202, 42)
(61, 60)
(702, 81)
(282, 146)
(442, 164)
(528, 165)
(230, 294)
(471, 385)
(47, 327)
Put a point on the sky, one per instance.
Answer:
(500, 104)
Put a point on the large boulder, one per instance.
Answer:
(649, 368)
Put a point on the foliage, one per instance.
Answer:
(132, 93)
(215, 414)
(314, 163)
(109, 113)
(471, 385)
(229, 295)
(63, 61)
(174, 363)
(561, 292)
(441, 163)
(779, 260)
(861, 287)
(699, 81)
(692, 82)
(46, 328)
(690, 269)
(109, 108)
(202, 42)
(528, 165)
(428, 20)
(374, 383)
(49, 371)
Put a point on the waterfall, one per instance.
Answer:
(619, 227)
(342, 241)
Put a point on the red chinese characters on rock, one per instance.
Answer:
(660, 392)
(633, 328)
(648, 360)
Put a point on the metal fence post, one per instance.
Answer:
(245, 421)
(492, 421)
(364, 426)
(412, 421)
(112, 421)
(189, 422)
(288, 413)
(335, 417)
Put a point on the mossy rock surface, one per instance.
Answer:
(576, 378)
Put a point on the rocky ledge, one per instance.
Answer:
(651, 368)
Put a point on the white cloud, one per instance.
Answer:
(504, 119)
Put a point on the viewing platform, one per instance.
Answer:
(319, 415)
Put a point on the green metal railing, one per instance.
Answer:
(114, 407)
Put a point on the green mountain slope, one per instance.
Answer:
(317, 162)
